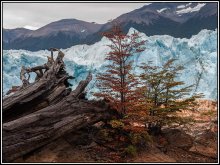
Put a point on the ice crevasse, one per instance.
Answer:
(198, 55)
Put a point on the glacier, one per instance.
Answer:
(198, 55)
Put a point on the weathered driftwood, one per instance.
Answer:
(45, 110)
(45, 91)
(32, 131)
(25, 81)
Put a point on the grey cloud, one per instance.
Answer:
(39, 14)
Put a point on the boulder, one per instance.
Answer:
(178, 138)
(206, 144)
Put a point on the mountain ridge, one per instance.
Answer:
(153, 19)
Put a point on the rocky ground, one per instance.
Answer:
(192, 143)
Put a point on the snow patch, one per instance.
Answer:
(146, 4)
(31, 27)
(190, 9)
(183, 6)
(180, 6)
(161, 10)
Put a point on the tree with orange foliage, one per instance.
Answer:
(118, 85)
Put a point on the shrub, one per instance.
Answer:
(116, 124)
(140, 140)
(131, 150)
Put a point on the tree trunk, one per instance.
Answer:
(32, 131)
(45, 110)
(45, 91)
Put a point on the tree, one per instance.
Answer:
(165, 95)
(118, 85)
(121, 88)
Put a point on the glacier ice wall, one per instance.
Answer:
(198, 55)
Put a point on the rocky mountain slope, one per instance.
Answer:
(175, 19)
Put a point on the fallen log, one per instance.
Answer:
(39, 94)
(45, 110)
(41, 127)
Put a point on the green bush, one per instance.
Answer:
(116, 124)
(140, 140)
(131, 150)
(105, 134)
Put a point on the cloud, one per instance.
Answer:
(36, 15)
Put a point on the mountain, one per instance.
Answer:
(10, 35)
(206, 18)
(198, 55)
(62, 34)
(67, 26)
(180, 20)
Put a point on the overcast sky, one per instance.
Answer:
(36, 15)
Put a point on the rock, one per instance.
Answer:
(93, 144)
(206, 138)
(153, 155)
(214, 127)
(178, 138)
(206, 144)
(99, 124)
(203, 150)
(206, 105)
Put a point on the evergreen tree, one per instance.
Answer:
(164, 94)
